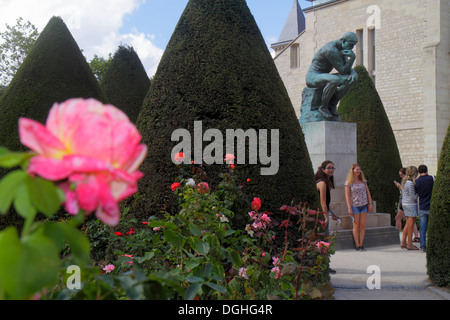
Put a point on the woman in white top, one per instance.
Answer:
(409, 203)
(359, 203)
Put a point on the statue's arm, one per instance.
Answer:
(335, 58)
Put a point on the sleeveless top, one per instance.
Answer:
(328, 196)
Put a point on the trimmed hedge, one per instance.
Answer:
(53, 71)
(218, 70)
(377, 152)
(125, 82)
(438, 240)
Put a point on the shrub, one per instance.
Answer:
(217, 69)
(54, 71)
(125, 82)
(438, 242)
(377, 152)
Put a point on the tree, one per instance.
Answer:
(438, 241)
(125, 82)
(99, 65)
(17, 42)
(377, 148)
(217, 69)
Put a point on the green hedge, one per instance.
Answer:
(438, 240)
(54, 71)
(125, 82)
(217, 69)
(377, 148)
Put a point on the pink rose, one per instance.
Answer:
(92, 149)
(109, 268)
(229, 158)
(322, 245)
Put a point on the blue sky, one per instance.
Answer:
(160, 17)
(100, 26)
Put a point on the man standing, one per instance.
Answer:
(424, 188)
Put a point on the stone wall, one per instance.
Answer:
(412, 68)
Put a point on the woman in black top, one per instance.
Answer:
(325, 182)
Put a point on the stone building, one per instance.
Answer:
(405, 46)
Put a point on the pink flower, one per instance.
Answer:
(256, 204)
(92, 149)
(243, 273)
(322, 245)
(175, 186)
(203, 187)
(229, 158)
(179, 157)
(109, 268)
(128, 256)
(265, 218)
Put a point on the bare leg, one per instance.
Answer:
(362, 227)
(356, 236)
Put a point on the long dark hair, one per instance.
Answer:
(322, 176)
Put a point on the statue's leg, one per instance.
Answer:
(327, 94)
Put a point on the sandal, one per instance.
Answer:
(411, 247)
(403, 246)
(416, 239)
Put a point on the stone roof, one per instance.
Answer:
(295, 24)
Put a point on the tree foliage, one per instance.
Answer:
(438, 241)
(17, 42)
(377, 148)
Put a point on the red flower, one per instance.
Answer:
(179, 157)
(256, 204)
(145, 222)
(175, 186)
(119, 234)
(131, 231)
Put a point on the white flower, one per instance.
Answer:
(190, 182)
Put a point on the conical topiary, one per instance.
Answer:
(126, 82)
(54, 71)
(377, 148)
(438, 241)
(217, 69)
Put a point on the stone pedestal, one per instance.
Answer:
(336, 141)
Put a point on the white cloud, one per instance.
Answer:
(95, 24)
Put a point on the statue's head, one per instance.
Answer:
(349, 40)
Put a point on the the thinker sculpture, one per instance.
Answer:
(325, 90)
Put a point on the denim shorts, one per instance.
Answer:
(357, 210)
(411, 211)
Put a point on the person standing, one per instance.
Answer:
(424, 189)
(409, 203)
(325, 182)
(400, 213)
(359, 203)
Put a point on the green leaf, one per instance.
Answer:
(173, 238)
(9, 186)
(27, 265)
(202, 248)
(195, 230)
(217, 287)
(192, 291)
(235, 257)
(13, 159)
(44, 195)
(23, 204)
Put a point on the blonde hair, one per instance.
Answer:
(411, 175)
(351, 176)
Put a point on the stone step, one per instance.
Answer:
(373, 220)
(374, 237)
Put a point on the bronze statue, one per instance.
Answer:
(325, 90)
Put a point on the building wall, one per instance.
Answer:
(412, 65)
